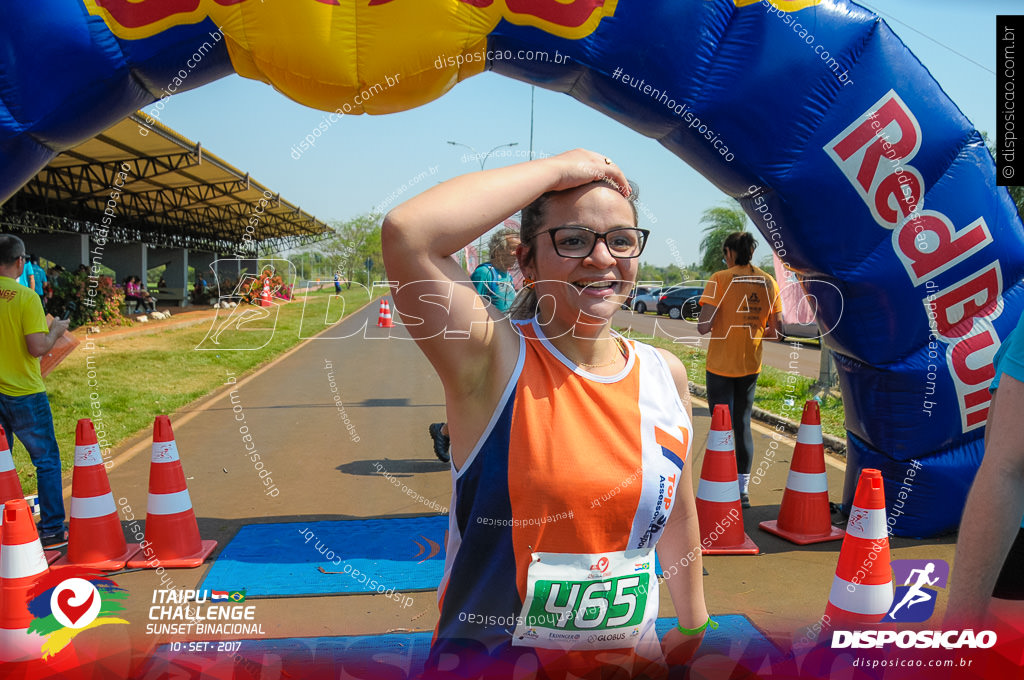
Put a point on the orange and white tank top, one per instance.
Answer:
(555, 514)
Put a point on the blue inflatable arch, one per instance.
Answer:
(844, 151)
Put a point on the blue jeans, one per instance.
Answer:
(738, 395)
(30, 418)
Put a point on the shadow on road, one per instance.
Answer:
(396, 468)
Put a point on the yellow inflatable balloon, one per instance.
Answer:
(370, 56)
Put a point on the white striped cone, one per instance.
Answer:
(33, 509)
(96, 539)
(719, 512)
(265, 294)
(10, 485)
(804, 516)
(172, 534)
(384, 319)
(22, 564)
(862, 590)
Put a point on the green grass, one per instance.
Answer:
(774, 387)
(139, 376)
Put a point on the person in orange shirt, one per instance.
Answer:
(740, 307)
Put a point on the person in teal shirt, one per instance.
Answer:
(989, 567)
(492, 279)
(40, 274)
(28, 275)
(493, 283)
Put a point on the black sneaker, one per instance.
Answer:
(744, 500)
(442, 443)
(57, 539)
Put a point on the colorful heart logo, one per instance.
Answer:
(75, 603)
(74, 612)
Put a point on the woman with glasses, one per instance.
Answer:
(569, 442)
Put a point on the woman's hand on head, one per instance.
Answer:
(580, 166)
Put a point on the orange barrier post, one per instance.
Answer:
(172, 534)
(862, 590)
(804, 516)
(95, 536)
(719, 511)
(22, 564)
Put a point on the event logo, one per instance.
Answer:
(914, 601)
(202, 612)
(70, 600)
(249, 327)
(913, 639)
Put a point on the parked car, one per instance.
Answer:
(644, 298)
(680, 303)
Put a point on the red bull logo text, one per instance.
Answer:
(875, 152)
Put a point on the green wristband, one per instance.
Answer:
(713, 625)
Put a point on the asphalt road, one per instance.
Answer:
(775, 354)
(327, 471)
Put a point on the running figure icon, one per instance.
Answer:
(916, 594)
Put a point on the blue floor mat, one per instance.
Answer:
(407, 652)
(373, 555)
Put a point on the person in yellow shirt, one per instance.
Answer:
(740, 306)
(24, 407)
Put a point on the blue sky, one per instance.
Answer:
(362, 160)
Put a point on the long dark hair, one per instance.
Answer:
(742, 243)
(525, 306)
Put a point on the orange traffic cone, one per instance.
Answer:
(10, 486)
(804, 516)
(23, 564)
(862, 589)
(265, 294)
(95, 537)
(172, 535)
(384, 319)
(719, 512)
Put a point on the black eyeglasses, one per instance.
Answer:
(579, 242)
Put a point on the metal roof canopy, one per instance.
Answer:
(177, 195)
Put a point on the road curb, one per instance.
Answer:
(835, 444)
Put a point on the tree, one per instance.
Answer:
(667, 276)
(721, 221)
(354, 241)
(310, 264)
